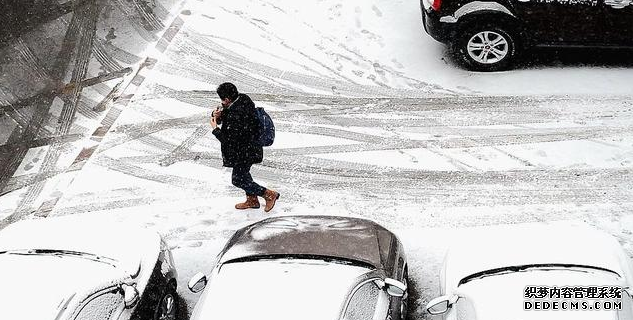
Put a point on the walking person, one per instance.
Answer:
(237, 135)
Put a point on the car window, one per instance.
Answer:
(368, 302)
(101, 307)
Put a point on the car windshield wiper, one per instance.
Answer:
(543, 266)
(328, 259)
(83, 255)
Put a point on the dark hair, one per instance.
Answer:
(227, 90)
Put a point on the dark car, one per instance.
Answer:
(487, 35)
(79, 269)
(306, 267)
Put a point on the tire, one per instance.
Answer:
(167, 307)
(404, 303)
(486, 47)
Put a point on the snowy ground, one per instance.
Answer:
(372, 121)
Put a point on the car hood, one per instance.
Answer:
(43, 286)
(325, 236)
(501, 297)
(124, 244)
(521, 245)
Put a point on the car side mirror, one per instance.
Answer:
(395, 288)
(197, 282)
(441, 305)
(130, 295)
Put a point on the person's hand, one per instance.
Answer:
(215, 117)
(217, 113)
(214, 121)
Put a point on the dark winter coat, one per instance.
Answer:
(240, 129)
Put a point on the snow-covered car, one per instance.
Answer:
(76, 269)
(306, 267)
(535, 272)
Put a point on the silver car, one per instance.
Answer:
(306, 267)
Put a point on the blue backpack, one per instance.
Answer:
(266, 128)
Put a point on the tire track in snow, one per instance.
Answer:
(144, 10)
(42, 104)
(120, 53)
(323, 83)
(493, 138)
(136, 131)
(104, 58)
(88, 21)
(139, 22)
(237, 72)
(82, 105)
(414, 82)
(249, 20)
(172, 157)
(25, 180)
(145, 174)
(29, 62)
(344, 174)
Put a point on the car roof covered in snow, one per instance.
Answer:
(125, 244)
(345, 238)
(535, 244)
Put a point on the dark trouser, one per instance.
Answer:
(242, 179)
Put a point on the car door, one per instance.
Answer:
(368, 302)
(618, 15)
(561, 22)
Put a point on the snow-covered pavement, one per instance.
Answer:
(372, 121)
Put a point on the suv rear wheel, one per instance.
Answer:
(486, 48)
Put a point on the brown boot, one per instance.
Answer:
(271, 197)
(251, 203)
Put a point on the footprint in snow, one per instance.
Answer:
(376, 11)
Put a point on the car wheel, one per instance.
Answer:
(404, 303)
(167, 307)
(486, 48)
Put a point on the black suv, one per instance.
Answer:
(487, 35)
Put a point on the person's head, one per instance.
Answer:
(227, 92)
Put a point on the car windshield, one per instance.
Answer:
(280, 289)
(503, 296)
(522, 268)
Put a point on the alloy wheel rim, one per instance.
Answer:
(167, 308)
(487, 47)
